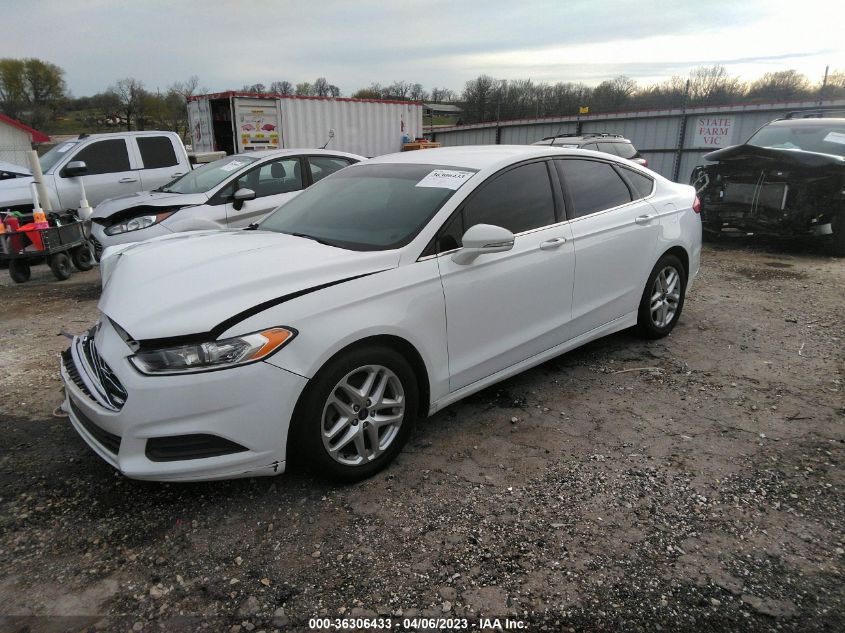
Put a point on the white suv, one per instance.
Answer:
(614, 144)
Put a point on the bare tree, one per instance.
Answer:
(281, 88)
(304, 89)
(130, 93)
(780, 86)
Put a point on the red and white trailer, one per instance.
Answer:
(236, 122)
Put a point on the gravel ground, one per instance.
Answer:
(688, 484)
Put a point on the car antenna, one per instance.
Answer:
(331, 136)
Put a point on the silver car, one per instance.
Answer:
(232, 192)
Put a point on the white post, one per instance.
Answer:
(38, 178)
(85, 210)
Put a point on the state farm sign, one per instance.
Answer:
(713, 132)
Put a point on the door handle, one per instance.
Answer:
(128, 180)
(556, 242)
(644, 219)
(176, 175)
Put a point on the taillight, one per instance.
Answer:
(696, 206)
(645, 162)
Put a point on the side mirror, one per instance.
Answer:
(481, 239)
(242, 195)
(75, 168)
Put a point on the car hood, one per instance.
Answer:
(16, 190)
(190, 283)
(110, 207)
(14, 169)
(793, 157)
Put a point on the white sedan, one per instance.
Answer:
(380, 295)
(232, 192)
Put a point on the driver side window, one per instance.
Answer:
(519, 200)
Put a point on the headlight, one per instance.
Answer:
(137, 223)
(196, 357)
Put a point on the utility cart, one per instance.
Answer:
(57, 245)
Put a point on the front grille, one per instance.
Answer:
(70, 368)
(196, 446)
(113, 390)
(98, 248)
(108, 441)
(83, 362)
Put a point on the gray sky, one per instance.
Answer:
(434, 42)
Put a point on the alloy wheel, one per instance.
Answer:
(665, 297)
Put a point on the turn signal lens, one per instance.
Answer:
(696, 206)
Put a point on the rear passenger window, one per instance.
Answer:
(519, 200)
(104, 157)
(322, 166)
(157, 152)
(625, 150)
(642, 185)
(593, 186)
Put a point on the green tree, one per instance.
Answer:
(31, 90)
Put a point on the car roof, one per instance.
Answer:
(807, 121)
(277, 153)
(471, 156)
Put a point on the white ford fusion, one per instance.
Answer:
(379, 295)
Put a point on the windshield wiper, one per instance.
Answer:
(309, 237)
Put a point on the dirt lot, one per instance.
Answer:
(689, 484)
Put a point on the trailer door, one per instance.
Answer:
(258, 123)
(199, 121)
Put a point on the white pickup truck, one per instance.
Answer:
(108, 165)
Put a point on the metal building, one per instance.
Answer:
(672, 140)
(16, 140)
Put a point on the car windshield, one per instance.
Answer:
(208, 176)
(369, 207)
(55, 155)
(824, 137)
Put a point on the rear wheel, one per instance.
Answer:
(82, 257)
(60, 265)
(19, 270)
(356, 414)
(663, 298)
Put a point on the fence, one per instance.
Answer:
(673, 140)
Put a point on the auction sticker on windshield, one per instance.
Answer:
(835, 137)
(445, 179)
(232, 166)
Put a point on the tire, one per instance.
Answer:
(82, 257)
(327, 406)
(19, 270)
(659, 322)
(60, 265)
(837, 248)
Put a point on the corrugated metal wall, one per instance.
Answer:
(14, 145)
(653, 133)
(366, 128)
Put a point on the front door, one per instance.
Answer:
(110, 174)
(273, 182)
(503, 308)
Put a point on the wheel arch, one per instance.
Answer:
(681, 253)
(391, 341)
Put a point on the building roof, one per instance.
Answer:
(443, 107)
(274, 95)
(35, 135)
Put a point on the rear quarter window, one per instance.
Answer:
(642, 185)
(625, 150)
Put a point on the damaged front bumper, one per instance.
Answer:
(214, 425)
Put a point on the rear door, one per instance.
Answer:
(503, 308)
(273, 182)
(111, 173)
(615, 231)
(159, 160)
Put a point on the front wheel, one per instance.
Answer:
(356, 414)
(663, 298)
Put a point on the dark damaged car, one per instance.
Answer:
(787, 180)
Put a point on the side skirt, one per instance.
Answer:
(623, 322)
